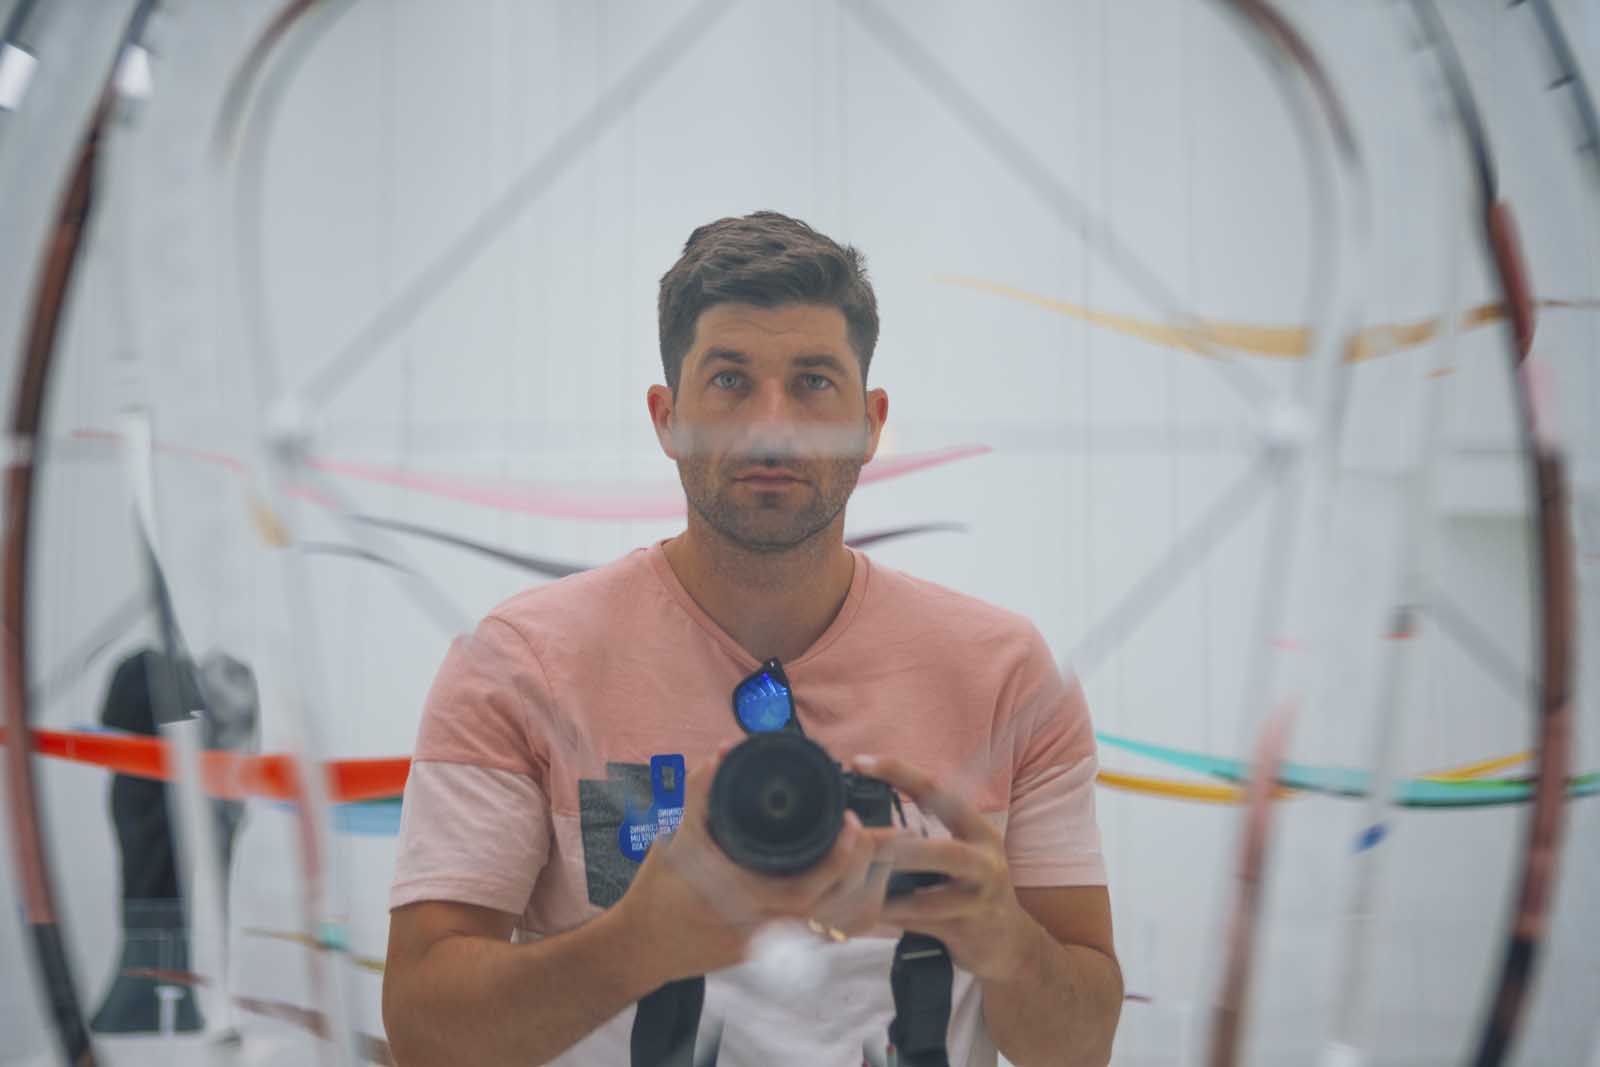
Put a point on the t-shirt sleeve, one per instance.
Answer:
(475, 819)
(1051, 835)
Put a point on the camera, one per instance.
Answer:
(778, 801)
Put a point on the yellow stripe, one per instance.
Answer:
(1209, 792)
(270, 528)
(366, 963)
(1271, 342)
(1468, 771)
(1216, 793)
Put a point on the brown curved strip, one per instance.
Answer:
(1553, 728)
(1282, 33)
(1554, 569)
(1554, 743)
(1228, 1022)
(1239, 948)
(32, 862)
(27, 414)
(230, 119)
(1501, 229)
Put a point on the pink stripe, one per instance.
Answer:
(218, 458)
(565, 504)
(649, 503)
(513, 496)
(895, 466)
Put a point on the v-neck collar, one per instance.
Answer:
(841, 621)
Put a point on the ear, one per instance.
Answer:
(658, 398)
(877, 413)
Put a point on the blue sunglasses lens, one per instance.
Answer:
(763, 704)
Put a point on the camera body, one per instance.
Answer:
(778, 802)
(876, 803)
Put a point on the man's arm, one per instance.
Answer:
(457, 990)
(1061, 1003)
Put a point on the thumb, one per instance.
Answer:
(697, 785)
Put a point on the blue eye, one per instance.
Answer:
(817, 382)
(726, 380)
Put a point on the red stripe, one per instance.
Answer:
(226, 774)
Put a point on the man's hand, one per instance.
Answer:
(976, 913)
(693, 910)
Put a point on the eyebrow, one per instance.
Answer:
(734, 356)
(726, 355)
(824, 359)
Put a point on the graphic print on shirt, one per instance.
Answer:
(621, 816)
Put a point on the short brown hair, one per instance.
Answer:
(765, 259)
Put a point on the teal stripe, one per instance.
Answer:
(1349, 782)
(363, 818)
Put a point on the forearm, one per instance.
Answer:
(477, 1000)
(1058, 1007)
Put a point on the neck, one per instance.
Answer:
(771, 603)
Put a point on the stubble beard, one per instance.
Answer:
(769, 529)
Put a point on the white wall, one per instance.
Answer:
(406, 121)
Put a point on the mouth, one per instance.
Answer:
(769, 478)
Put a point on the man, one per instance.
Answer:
(540, 730)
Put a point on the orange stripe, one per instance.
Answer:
(229, 775)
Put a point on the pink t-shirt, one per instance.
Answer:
(537, 736)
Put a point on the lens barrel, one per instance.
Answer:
(777, 803)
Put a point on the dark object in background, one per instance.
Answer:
(232, 706)
(155, 933)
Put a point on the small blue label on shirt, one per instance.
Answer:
(640, 829)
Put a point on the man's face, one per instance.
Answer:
(771, 422)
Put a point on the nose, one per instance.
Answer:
(772, 421)
(771, 405)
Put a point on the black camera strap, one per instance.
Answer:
(665, 1024)
(920, 979)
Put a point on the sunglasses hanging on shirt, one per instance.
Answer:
(764, 703)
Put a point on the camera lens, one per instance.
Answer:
(777, 803)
